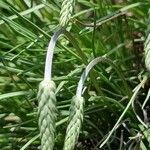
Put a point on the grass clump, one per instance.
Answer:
(110, 110)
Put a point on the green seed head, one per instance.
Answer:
(75, 121)
(66, 12)
(47, 114)
(147, 52)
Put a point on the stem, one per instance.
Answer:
(49, 55)
(91, 65)
(85, 74)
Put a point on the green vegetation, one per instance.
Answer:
(100, 66)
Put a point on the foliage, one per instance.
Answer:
(103, 28)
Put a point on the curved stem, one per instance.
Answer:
(90, 66)
(85, 74)
(49, 55)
